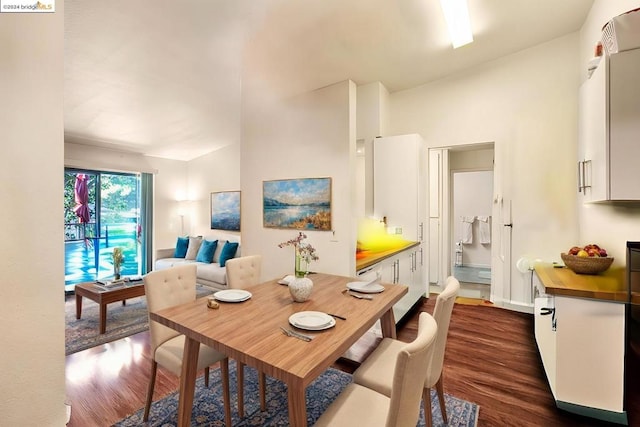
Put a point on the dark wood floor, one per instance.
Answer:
(491, 360)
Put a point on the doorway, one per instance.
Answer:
(102, 211)
(461, 225)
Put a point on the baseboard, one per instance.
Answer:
(599, 414)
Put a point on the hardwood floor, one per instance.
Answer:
(491, 360)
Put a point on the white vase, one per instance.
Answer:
(300, 288)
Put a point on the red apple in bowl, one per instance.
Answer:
(574, 250)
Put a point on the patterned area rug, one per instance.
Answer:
(208, 409)
(122, 321)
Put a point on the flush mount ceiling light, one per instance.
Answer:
(456, 13)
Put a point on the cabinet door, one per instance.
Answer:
(395, 182)
(590, 353)
(624, 126)
(546, 337)
(593, 136)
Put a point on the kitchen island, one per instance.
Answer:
(580, 333)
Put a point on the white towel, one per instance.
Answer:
(467, 229)
(484, 229)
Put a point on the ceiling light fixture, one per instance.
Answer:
(456, 13)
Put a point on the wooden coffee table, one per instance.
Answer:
(103, 296)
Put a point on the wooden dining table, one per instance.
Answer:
(250, 332)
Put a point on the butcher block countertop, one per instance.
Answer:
(366, 259)
(607, 286)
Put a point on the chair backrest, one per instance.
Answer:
(244, 271)
(442, 314)
(409, 374)
(166, 288)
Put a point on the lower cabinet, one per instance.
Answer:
(403, 268)
(582, 346)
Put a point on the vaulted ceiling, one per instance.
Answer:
(165, 78)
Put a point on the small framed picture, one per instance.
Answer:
(225, 210)
(303, 204)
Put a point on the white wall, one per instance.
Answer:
(216, 171)
(527, 104)
(472, 196)
(170, 184)
(608, 225)
(32, 259)
(310, 135)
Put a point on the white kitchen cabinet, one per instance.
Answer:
(399, 184)
(403, 268)
(582, 346)
(609, 124)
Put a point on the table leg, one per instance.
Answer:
(188, 381)
(103, 318)
(78, 306)
(297, 404)
(388, 324)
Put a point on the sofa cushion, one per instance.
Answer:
(194, 247)
(207, 248)
(169, 262)
(181, 247)
(228, 252)
(212, 272)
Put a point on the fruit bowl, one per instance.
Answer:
(586, 265)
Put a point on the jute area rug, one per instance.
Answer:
(208, 408)
(122, 321)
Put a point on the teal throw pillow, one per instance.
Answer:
(181, 247)
(228, 251)
(205, 253)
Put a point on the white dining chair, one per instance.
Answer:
(376, 372)
(166, 288)
(243, 272)
(362, 406)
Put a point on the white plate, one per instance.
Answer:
(365, 287)
(312, 320)
(232, 295)
(286, 279)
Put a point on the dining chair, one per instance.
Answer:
(376, 372)
(360, 405)
(243, 272)
(166, 288)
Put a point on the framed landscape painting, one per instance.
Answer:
(225, 210)
(297, 203)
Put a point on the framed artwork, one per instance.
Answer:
(297, 203)
(225, 210)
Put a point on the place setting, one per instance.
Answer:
(310, 321)
(232, 295)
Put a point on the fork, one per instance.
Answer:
(290, 333)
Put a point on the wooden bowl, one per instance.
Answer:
(586, 265)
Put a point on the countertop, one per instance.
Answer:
(366, 259)
(607, 286)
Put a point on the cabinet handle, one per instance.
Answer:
(545, 311)
(584, 175)
(421, 231)
(580, 170)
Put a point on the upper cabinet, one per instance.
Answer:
(399, 191)
(609, 130)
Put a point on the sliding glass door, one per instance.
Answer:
(104, 210)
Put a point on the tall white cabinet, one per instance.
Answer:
(399, 194)
(609, 125)
(399, 183)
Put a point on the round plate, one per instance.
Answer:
(232, 295)
(365, 287)
(312, 320)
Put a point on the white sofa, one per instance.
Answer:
(212, 275)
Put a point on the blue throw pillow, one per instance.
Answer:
(181, 247)
(205, 253)
(228, 251)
